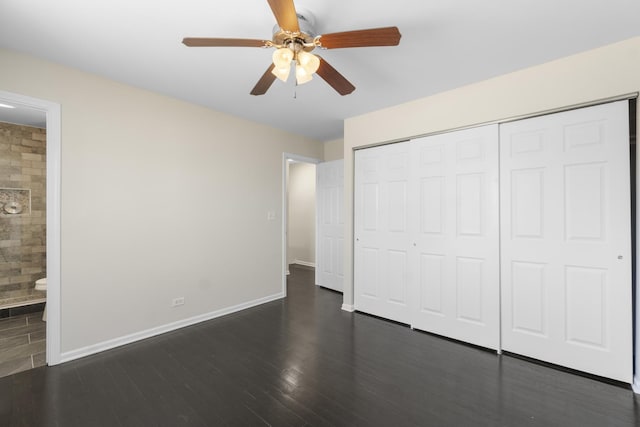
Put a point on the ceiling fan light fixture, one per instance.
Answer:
(282, 72)
(282, 63)
(282, 57)
(302, 76)
(308, 61)
(294, 37)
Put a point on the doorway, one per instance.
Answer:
(52, 124)
(298, 214)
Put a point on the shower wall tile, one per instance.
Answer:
(23, 236)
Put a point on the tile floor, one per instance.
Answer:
(22, 343)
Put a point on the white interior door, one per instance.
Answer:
(566, 239)
(330, 224)
(456, 291)
(381, 231)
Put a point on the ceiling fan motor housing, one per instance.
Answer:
(304, 40)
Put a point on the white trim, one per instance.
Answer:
(636, 378)
(348, 307)
(137, 336)
(305, 263)
(52, 111)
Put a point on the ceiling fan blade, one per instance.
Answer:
(334, 78)
(388, 36)
(265, 82)
(222, 42)
(285, 13)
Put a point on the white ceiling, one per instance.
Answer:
(445, 44)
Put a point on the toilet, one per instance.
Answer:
(41, 285)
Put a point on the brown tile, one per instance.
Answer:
(37, 315)
(23, 330)
(13, 322)
(6, 343)
(21, 351)
(38, 335)
(34, 319)
(39, 359)
(15, 366)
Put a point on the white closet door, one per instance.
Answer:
(381, 234)
(330, 224)
(456, 291)
(565, 237)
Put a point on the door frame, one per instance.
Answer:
(52, 111)
(286, 158)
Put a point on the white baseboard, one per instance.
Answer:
(305, 263)
(636, 385)
(348, 307)
(137, 336)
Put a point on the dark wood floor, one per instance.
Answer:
(302, 361)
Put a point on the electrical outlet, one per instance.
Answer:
(177, 301)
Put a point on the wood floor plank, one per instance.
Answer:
(302, 361)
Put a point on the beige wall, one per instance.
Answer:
(333, 150)
(160, 199)
(302, 214)
(597, 74)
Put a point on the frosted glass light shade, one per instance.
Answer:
(302, 76)
(282, 61)
(282, 57)
(282, 73)
(309, 62)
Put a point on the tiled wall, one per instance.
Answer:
(22, 236)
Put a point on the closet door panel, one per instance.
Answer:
(566, 249)
(456, 257)
(381, 231)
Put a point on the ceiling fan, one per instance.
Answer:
(294, 39)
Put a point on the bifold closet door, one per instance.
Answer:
(381, 231)
(330, 224)
(456, 270)
(566, 239)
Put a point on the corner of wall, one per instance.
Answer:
(333, 150)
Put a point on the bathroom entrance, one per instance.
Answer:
(24, 221)
(23, 238)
